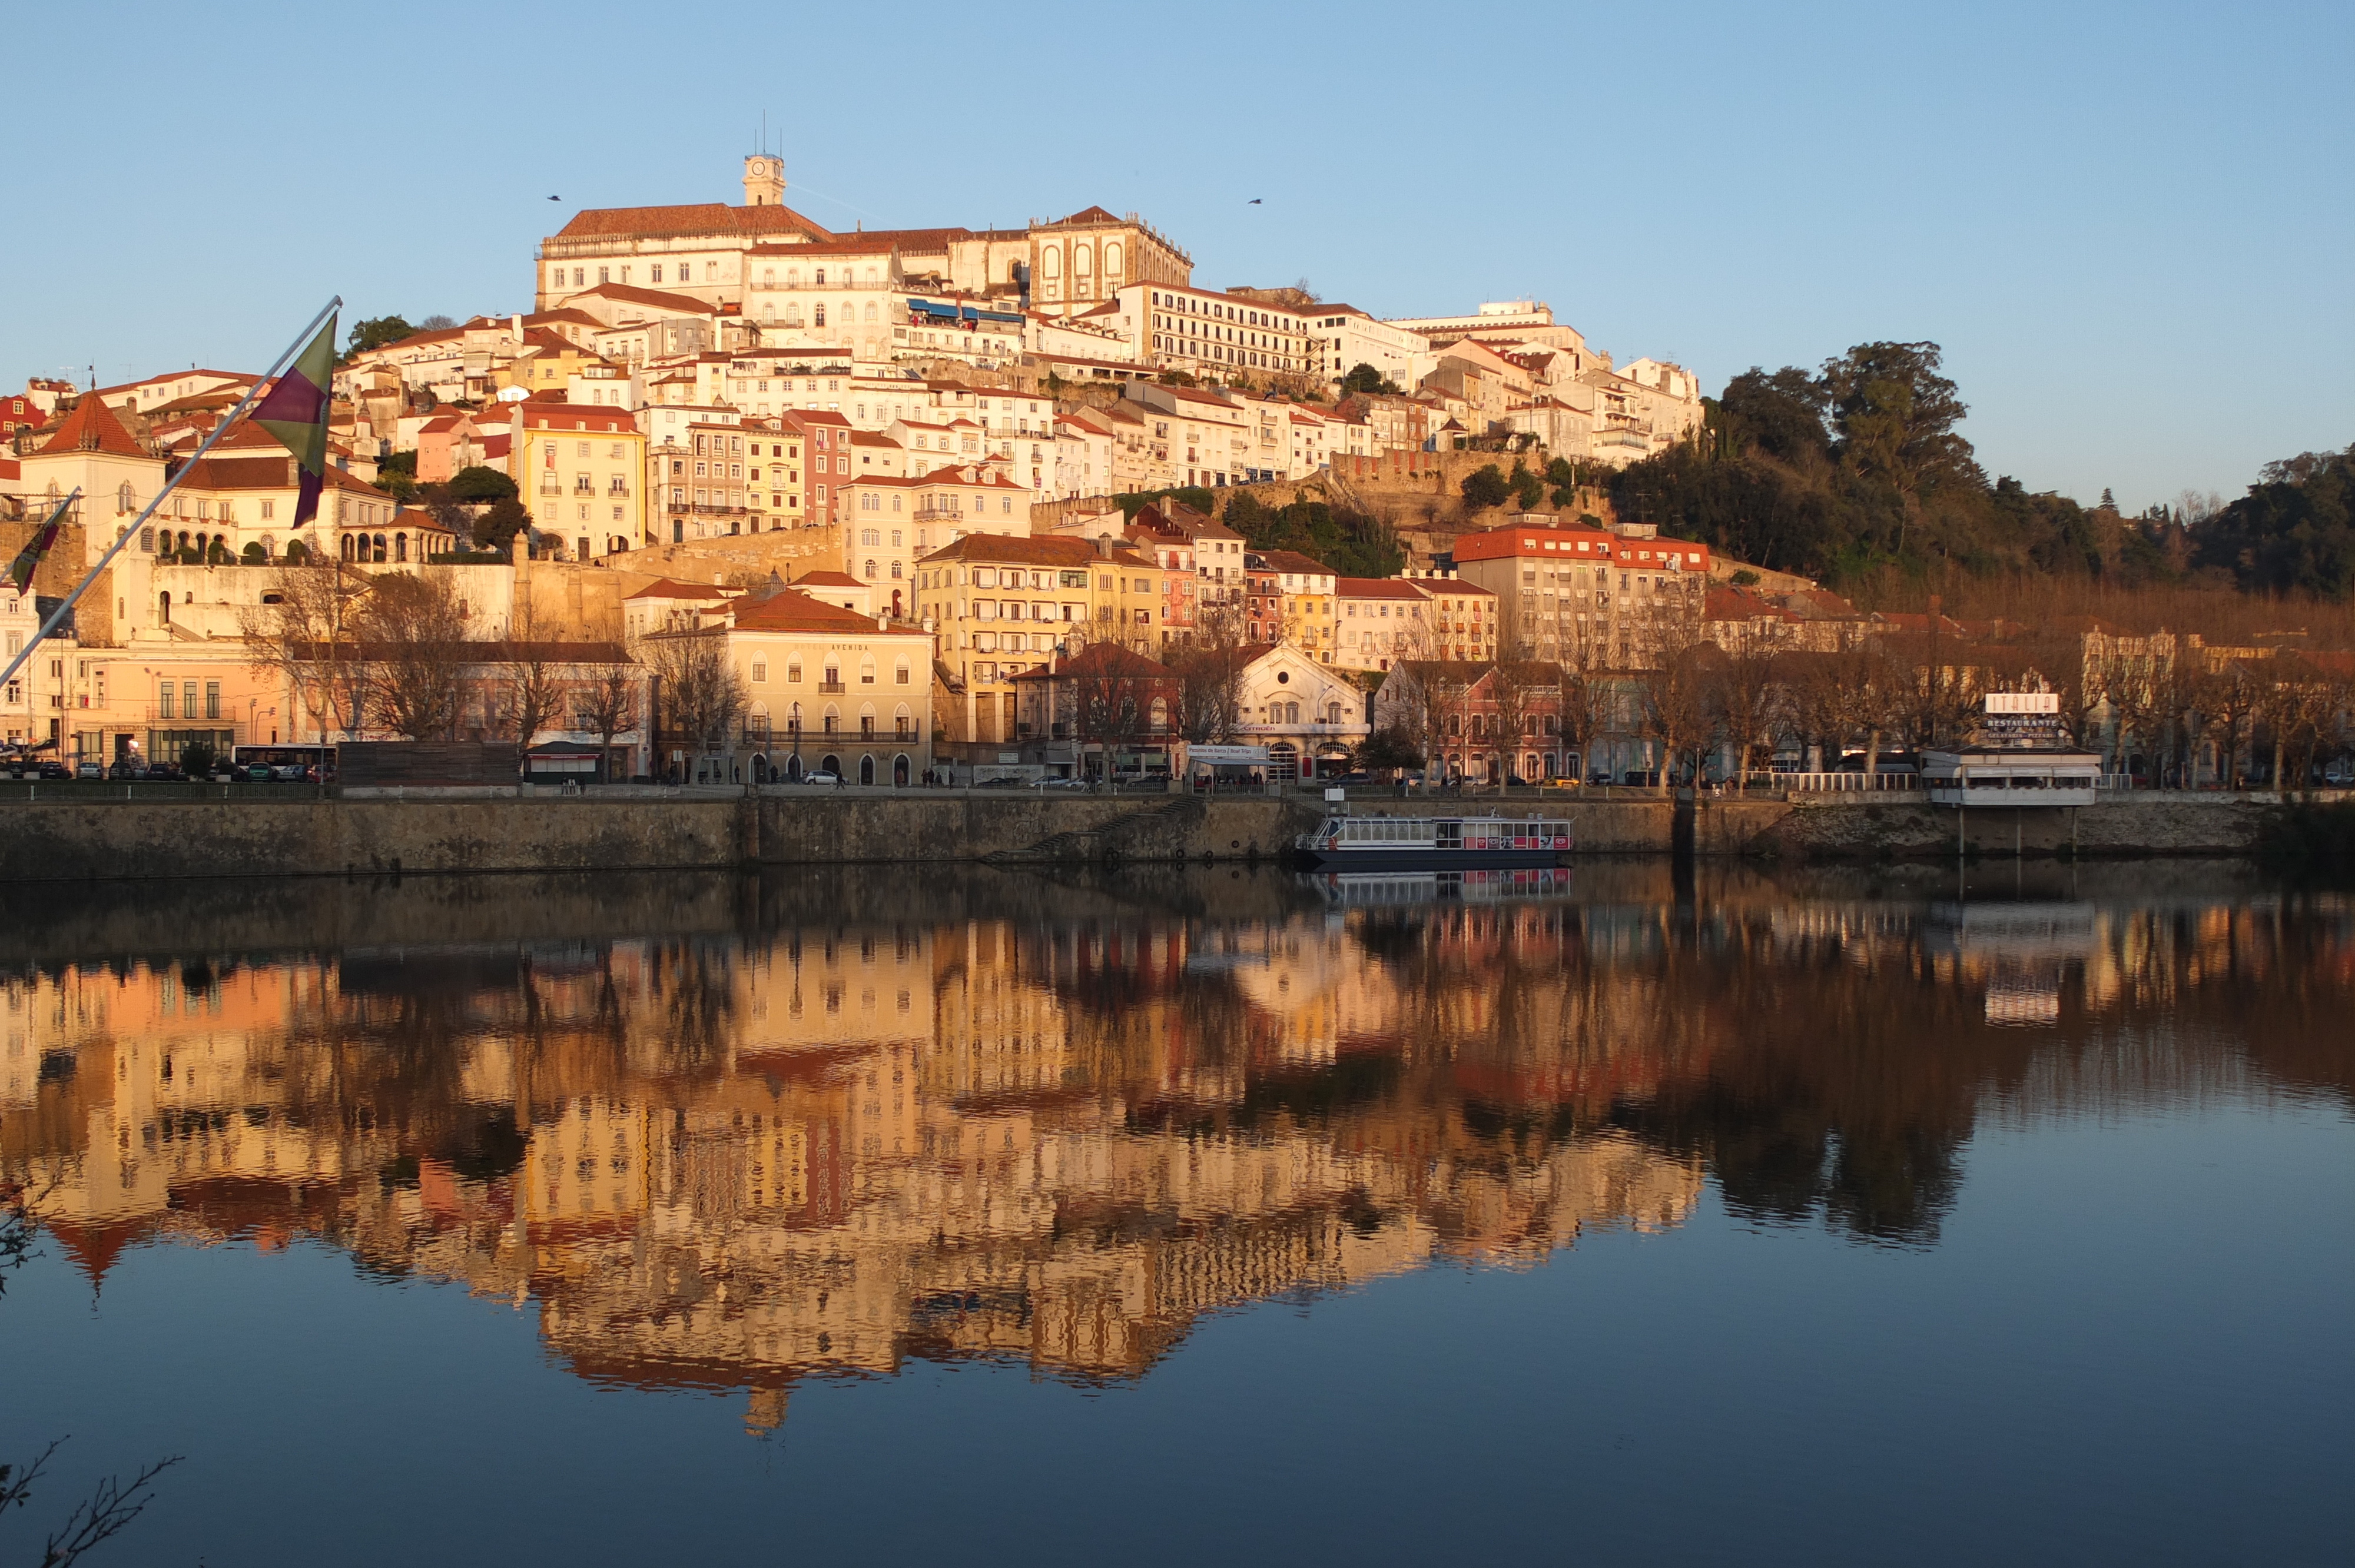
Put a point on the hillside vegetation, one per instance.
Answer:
(1856, 475)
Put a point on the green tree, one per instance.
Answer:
(377, 332)
(1485, 489)
(1895, 417)
(1528, 489)
(1364, 378)
(497, 528)
(2293, 529)
(477, 484)
(396, 474)
(1781, 414)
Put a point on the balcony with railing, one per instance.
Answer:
(832, 684)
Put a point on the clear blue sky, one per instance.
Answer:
(2128, 224)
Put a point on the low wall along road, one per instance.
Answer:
(100, 839)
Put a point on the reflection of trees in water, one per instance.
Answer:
(695, 984)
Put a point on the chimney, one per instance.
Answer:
(515, 327)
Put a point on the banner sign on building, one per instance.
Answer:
(2024, 716)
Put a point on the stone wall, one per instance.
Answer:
(2132, 826)
(73, 841)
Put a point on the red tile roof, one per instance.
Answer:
(693, 218)
(1375, 588)
(794, 610)
(92, 427)
(671, 587)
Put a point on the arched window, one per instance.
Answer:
(870, 310)
(870, 571)
(821, 277)
(379, 546)
(867, 670)
(1112, 262)
(900, 673)
(895, 571)
(903, 721)
(831, 675)
(1050, 263)
(832, 719)
(400, 546)
(122, 498)
(867, 720)
(869, 537)
(1160, 715)
(818, 311)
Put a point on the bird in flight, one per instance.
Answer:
(1253, 202)
(556, 198)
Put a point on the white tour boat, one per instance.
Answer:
(1435, 843)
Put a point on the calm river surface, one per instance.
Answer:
(903, 1214)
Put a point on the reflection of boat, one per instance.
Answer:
(1438, 843)
(1367, 889)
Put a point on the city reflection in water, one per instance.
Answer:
(733, 1133)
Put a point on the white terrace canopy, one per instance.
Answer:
(2010, 776)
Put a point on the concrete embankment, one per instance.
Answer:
(97, 840)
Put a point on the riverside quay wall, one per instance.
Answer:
(49, 839)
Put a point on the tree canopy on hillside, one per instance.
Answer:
(1352, 544)
(1860, 469)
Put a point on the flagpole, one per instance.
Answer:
(66, 608)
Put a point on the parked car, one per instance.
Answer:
(163, 773)
(822, 777)
(1003, 782)
(1347, 779)
(55, 770)
(1060, 784)
(1637, 776)
(89, 771)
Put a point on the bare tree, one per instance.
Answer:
(413, 636)
(2230, 702)
(1517, 687)
(699, 689)
(1209, 675)
(1108, 693)
(535, 684)
(1584, 707)
(111, 1506)
(607, 695)
(1749, 699)
(1430, 696)
(298, 634)
(1673, 690)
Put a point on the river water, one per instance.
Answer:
(1233, 1216)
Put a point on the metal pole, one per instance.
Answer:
(170, 484)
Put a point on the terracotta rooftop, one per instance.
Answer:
(91, 427)
(692, 219)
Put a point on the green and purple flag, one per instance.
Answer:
(28, 560)
(295, 412)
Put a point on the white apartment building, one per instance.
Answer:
(1346, 337)
(1218, 335)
